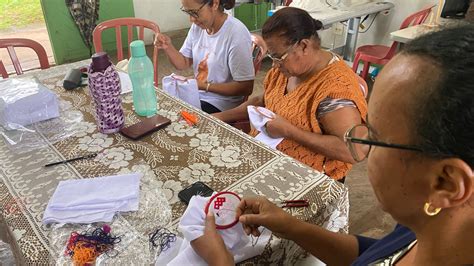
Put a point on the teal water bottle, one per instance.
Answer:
(140, 70)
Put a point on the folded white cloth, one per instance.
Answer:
(259, 116)
(93, 199)
(192, 227)
(24, 102)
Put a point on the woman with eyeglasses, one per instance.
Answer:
(315, 95)
(219, 49)
(420, 157)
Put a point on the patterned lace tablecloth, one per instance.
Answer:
(176, 156)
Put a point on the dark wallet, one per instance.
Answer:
(146, 126)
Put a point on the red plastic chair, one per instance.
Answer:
(259, 51)
(129, 23)
(380, 54)
(11, 43)
(3, 71)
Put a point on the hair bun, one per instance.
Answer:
(228, 4)
(317, 24)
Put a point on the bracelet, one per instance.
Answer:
(207, 87)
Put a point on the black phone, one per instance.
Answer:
(198, 188)
(144, 127)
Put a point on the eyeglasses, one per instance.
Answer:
(281, 58)
(193, 12)
(359, 145)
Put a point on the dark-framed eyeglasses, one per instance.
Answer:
(281, 59)
(357, 140)
(193, 12)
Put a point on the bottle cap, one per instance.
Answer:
(100, 61)
(137, 48)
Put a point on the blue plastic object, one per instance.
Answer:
(375, 72)
(140, 70)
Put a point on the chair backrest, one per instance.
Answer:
(412, 20)
(11, 43)
(3, 71)
(416, 18)
(259, 50)
(117, 23)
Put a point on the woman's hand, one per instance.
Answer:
(202, 85)
(218, 115)
(210, 246)
(162, 41)
(279, 127)
(259, 211)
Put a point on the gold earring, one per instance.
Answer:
(429, 212)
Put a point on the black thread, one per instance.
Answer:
(162, 239)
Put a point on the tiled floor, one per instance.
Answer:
(365, 215)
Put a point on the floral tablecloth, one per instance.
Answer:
(179, 155)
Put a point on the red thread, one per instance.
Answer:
(219, 202)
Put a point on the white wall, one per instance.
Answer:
(165, 13)
(379, 33)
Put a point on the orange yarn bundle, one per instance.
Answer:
(84, 248)
(84, 254)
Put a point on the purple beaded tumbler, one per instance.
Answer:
(104, 85)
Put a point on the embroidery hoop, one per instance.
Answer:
(263, 114)
(227, 195)
(178, 77)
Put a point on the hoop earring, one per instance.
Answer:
(429, 212)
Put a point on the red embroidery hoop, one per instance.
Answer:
(220, 194)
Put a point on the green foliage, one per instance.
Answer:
(19, 13)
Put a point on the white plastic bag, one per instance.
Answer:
(24, 102)
(32, 116)
(6, 254)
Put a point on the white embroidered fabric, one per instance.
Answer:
(191, 226)
(182, 88)
(259, 117)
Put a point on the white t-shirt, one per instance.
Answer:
(219, 58)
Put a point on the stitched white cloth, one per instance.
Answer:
(191, 226)
(93, 199)
(259, 117)
(182, 88)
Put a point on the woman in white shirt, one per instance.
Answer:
(218, 47)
